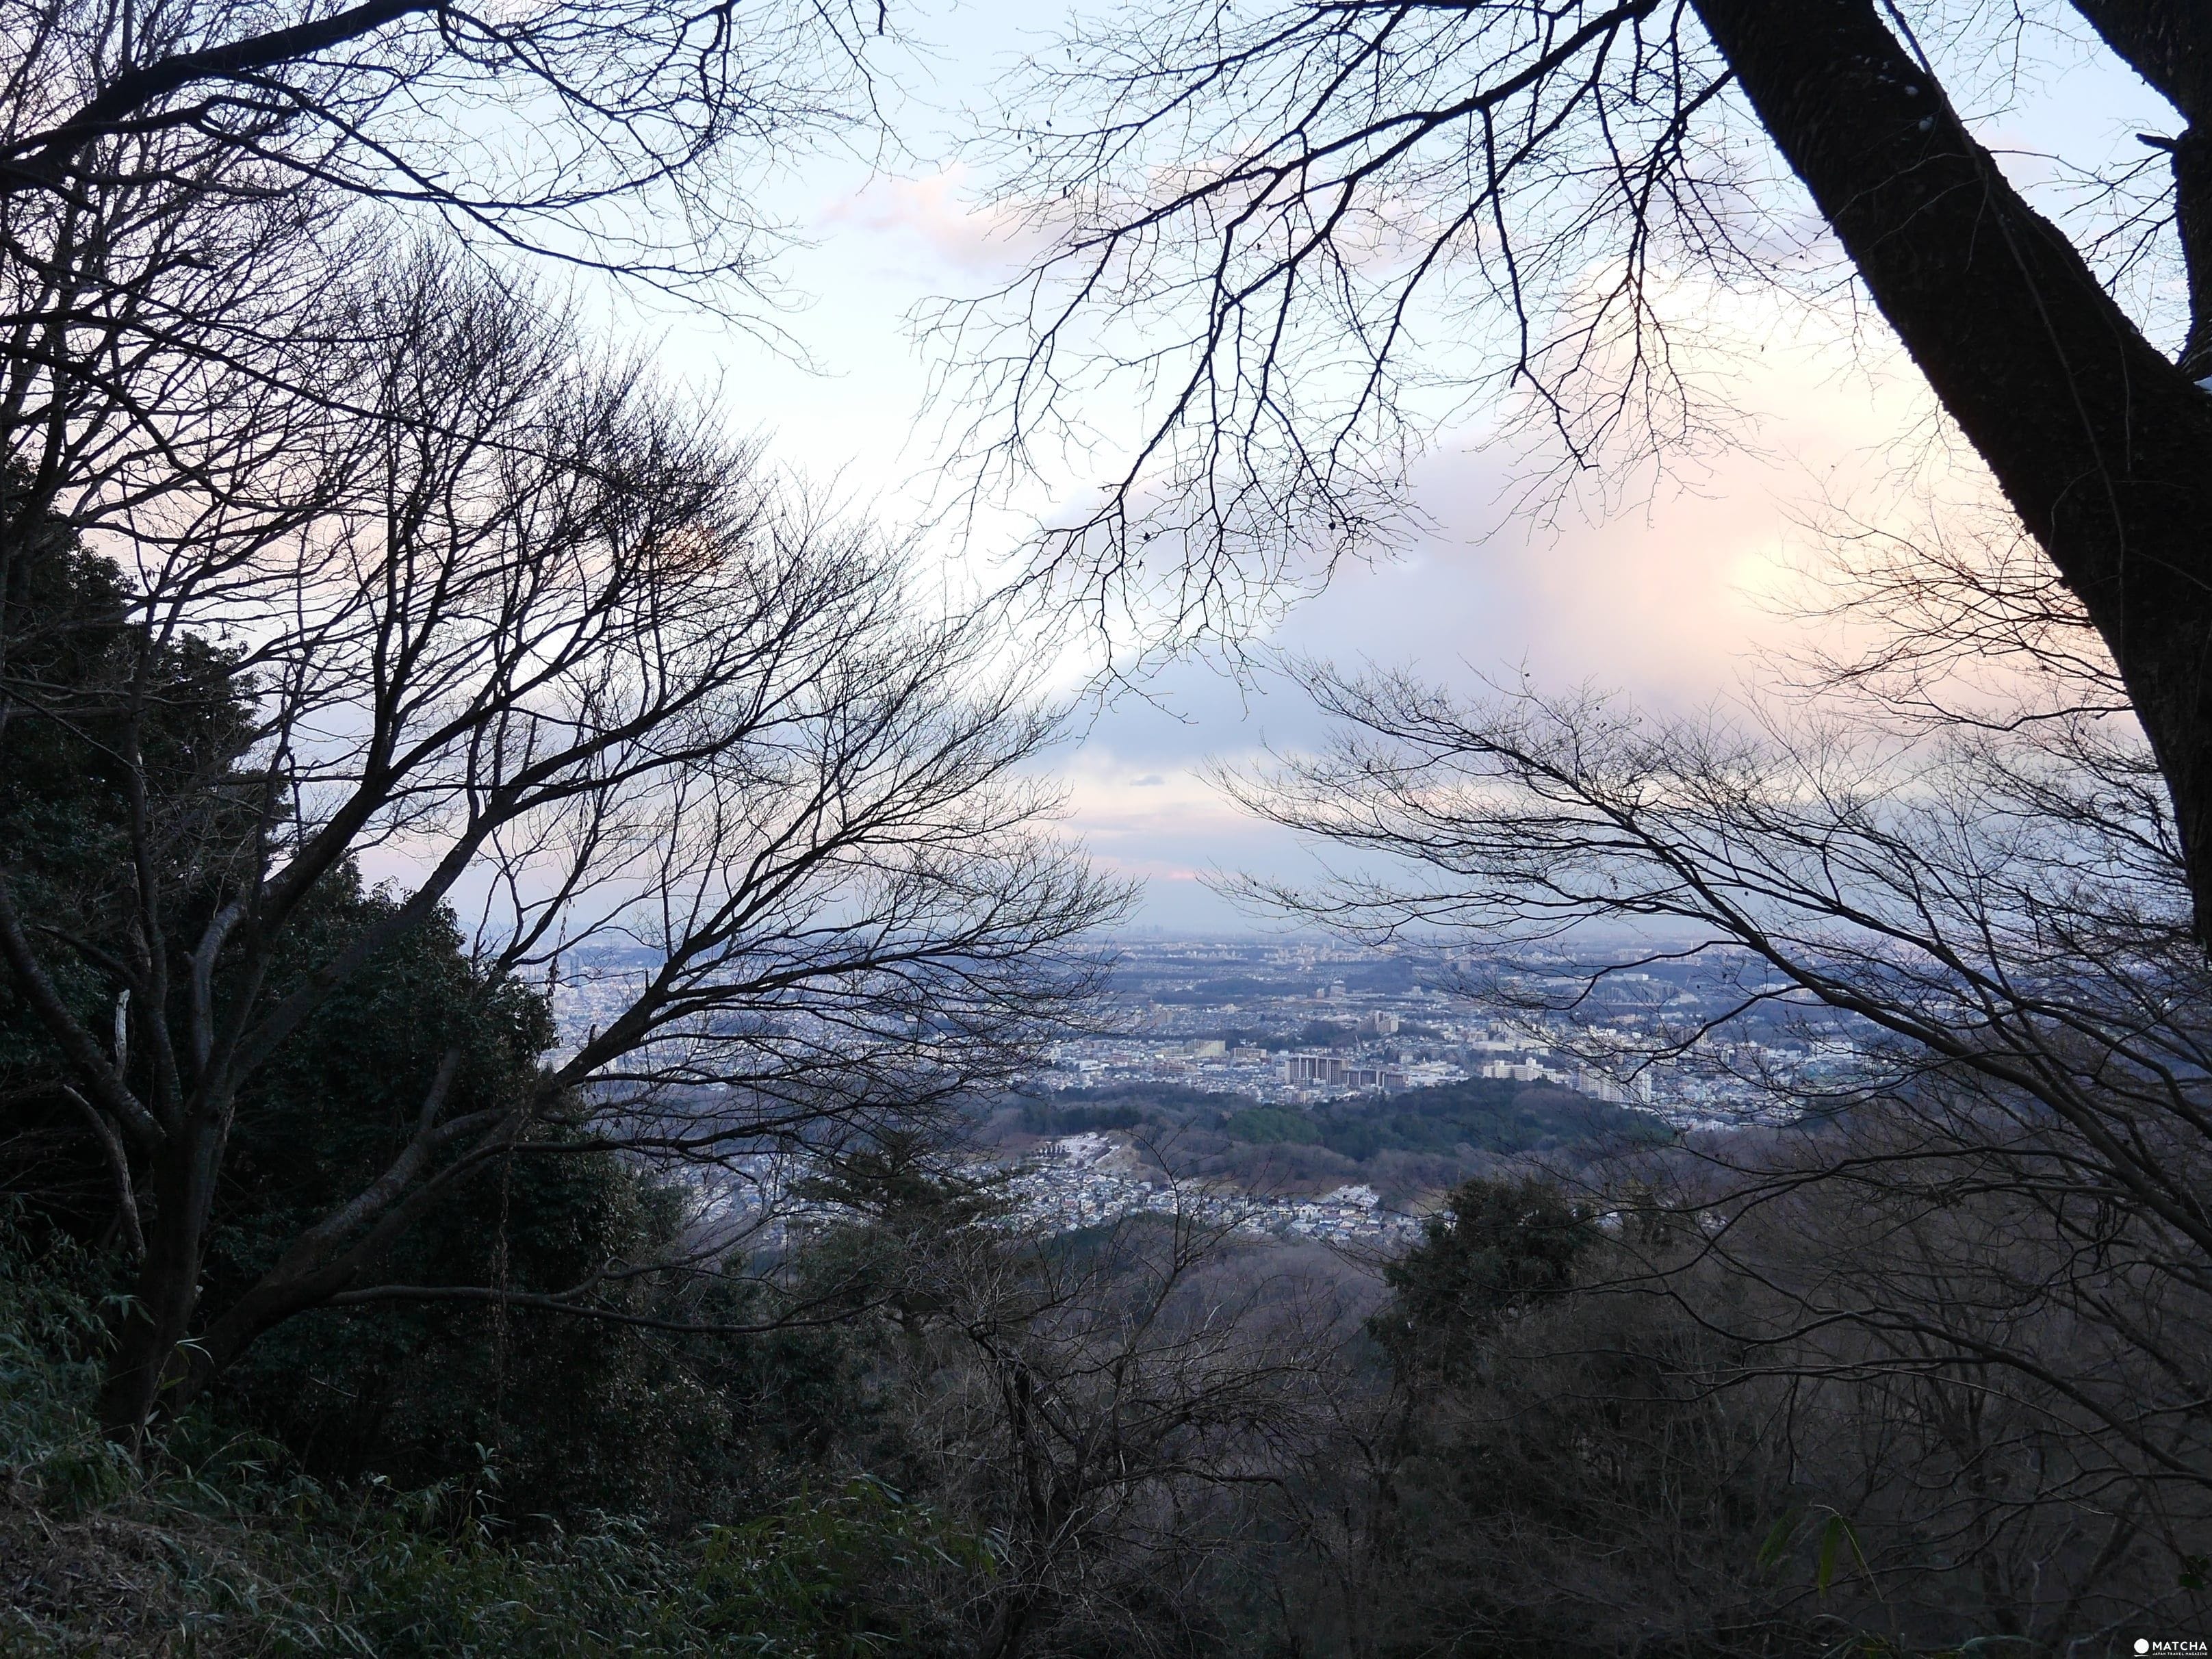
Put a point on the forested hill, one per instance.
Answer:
(1410, 1145)
(1488, 1115)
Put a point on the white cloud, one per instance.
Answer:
(1670, 606)
(936, 215)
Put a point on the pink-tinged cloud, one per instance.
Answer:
(934, 214)
(1671, 603)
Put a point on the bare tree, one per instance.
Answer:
(1290, 238)
(1654, 1446)
(570, 660)
(1991, 1234)
(612, 134)
(181, 186)
(1112, 1405)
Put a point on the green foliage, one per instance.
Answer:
(1561, 1481)
(898, 1180)
(1490, 1114)
(584, 1414)
(1152, 1102)
(1271, 1125)
(820, 1564)
(224, 1548)
(1046, 1117)
(50, 1336)
(1484, 1114)
(1497, 1247)
(75, 660)
(1834, 1545)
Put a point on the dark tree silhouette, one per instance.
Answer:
(1269, 222)
(577, 667)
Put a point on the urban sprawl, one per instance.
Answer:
(1297, 1023)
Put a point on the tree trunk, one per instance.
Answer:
(2102, 445)
(146, 1331)
(1008, 1630)
(277, 1297)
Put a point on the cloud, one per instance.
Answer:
(934, 214)
(1671, 606)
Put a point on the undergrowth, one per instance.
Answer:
(214, 1545)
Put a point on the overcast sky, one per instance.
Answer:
(1669, 601)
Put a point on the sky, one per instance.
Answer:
(1674, 599)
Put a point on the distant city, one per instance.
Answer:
(1297, 1024)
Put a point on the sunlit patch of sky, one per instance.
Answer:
(1669, 596)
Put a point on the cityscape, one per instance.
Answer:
(1299, 1026)
(1297, 1023)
